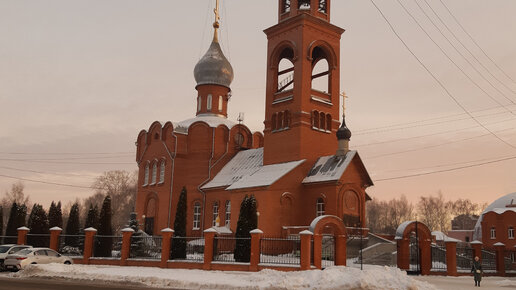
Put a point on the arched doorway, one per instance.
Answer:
(413, 244)
(330, 230)
(150, 214)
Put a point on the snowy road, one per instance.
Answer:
(456, 283)
(60, 284)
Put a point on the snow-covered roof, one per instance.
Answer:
(246, 170)
(500, 203)
(223, 230)
(401, 229)
(329, 168)
(502, 210)
(212, 121)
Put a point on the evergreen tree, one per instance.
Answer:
(247, 221)
(12, 225)
(105, 242)
(92, 220)
(38, 224)
(137, 239)
(72, 227)
(1, 225)
(51, 214)
(178, 249)
(55, 215)
(21, 215)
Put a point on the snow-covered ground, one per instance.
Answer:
(371, 278)
(456, 283)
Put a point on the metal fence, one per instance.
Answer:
(464, 259)
(488, 260)
(8, 240)
(224, 248)
(194, 248)
(145, 246)
(107, 246)
(38, 240)
(510, 261)
(328, 251)
(71, 245)
(282, 251)
(438, 258)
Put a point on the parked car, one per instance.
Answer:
(9, 249)
(29, 256)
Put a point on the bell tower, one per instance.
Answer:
(302, 93)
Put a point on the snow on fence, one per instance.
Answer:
(438, 258)
(464, 259)
(107, 246)
(282, 251)
(38, 240)
(144, 246)
(194, 248)
(8, 240)
(488, 260)
(71, 245)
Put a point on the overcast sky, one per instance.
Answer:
(79, 79)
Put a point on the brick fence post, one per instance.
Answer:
(500, 255)
(127, 233)
(451, 257)
(256, 236)
(166, 238)
(55, 232)
(340, 250)
(306, 238)
(403, 255)
(477, 249)
(317, 251)
(88, 244)
(22, 235)
(209, 236)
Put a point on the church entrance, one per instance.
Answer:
(329, 241)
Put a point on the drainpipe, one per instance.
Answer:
(172, 179)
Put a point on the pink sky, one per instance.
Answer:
(78, 78)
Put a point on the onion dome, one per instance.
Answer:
(214, 68)
(343, 133)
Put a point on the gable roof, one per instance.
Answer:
(246, 170)
(331, 168)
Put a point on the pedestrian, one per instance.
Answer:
(476, 269)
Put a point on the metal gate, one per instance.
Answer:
(415, 254)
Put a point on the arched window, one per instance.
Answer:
(274, 122)
(320, 71)
(303, 4)
(199, 103)
(319, 207)
(197, 216)
(285, 6)
(154, 172)
(215, 214)
(208, 104)
(328, 122)
(323, 7)
(280, 121)
(162, 172)
(220, 103)
(287, 119)
(493, 233)
(286, 70)
(227, 218)
(146, 177)
(510, 233)
(315, 119)
(322, 121)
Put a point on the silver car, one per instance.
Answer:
(9, 249)
(30, 256)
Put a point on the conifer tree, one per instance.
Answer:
(1, 224)
(12, 224)
(21, 215)
(137, 241)
(247, 221)
(38, 224)
(72, 227)
(55, 215)
(178, 249)
(92, 220)
(105, 243)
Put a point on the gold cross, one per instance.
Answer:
(216, 11)
(344, 97)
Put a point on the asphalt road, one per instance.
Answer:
(7, 283)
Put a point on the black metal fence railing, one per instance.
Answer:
(145, 246)
(438, 258)
(464, 259)
(328, 251)
(194, 248)
(107, 246)
(38, 240)
(510, 261)
(282, 251)
(8, 240)
(488, 260)
(71, 245)
(224, 248)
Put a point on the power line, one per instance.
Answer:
(42, 172)
(436, 79)
(51, 183)
(446, 170)
(60, 162)
(67, 153)
(475, 42)
(72, 158)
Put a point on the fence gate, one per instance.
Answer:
(415, 254)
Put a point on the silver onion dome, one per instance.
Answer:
(343, 133)
(214, 68)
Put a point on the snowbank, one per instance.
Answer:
(332, 278)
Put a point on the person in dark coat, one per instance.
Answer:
(476, 269)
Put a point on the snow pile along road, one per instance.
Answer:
(331, 278)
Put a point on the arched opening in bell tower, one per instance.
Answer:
(320, 71)
(285, 78)
(303, 4)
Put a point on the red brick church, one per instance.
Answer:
(298, 168)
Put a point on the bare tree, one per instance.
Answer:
(435, 212)
(16, 194)
(399, 211)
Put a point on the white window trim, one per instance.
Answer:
(199, 103)
(215, 214)
(197, 216)
(162, 172)
(493, 233)
(510, 233)
(154, 173)
(320, 211)
(208, 102)
(146, 175)
(221, 104)
(227, 217)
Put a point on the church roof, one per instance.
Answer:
(331, 168)
(246, 170)
(212, 121)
